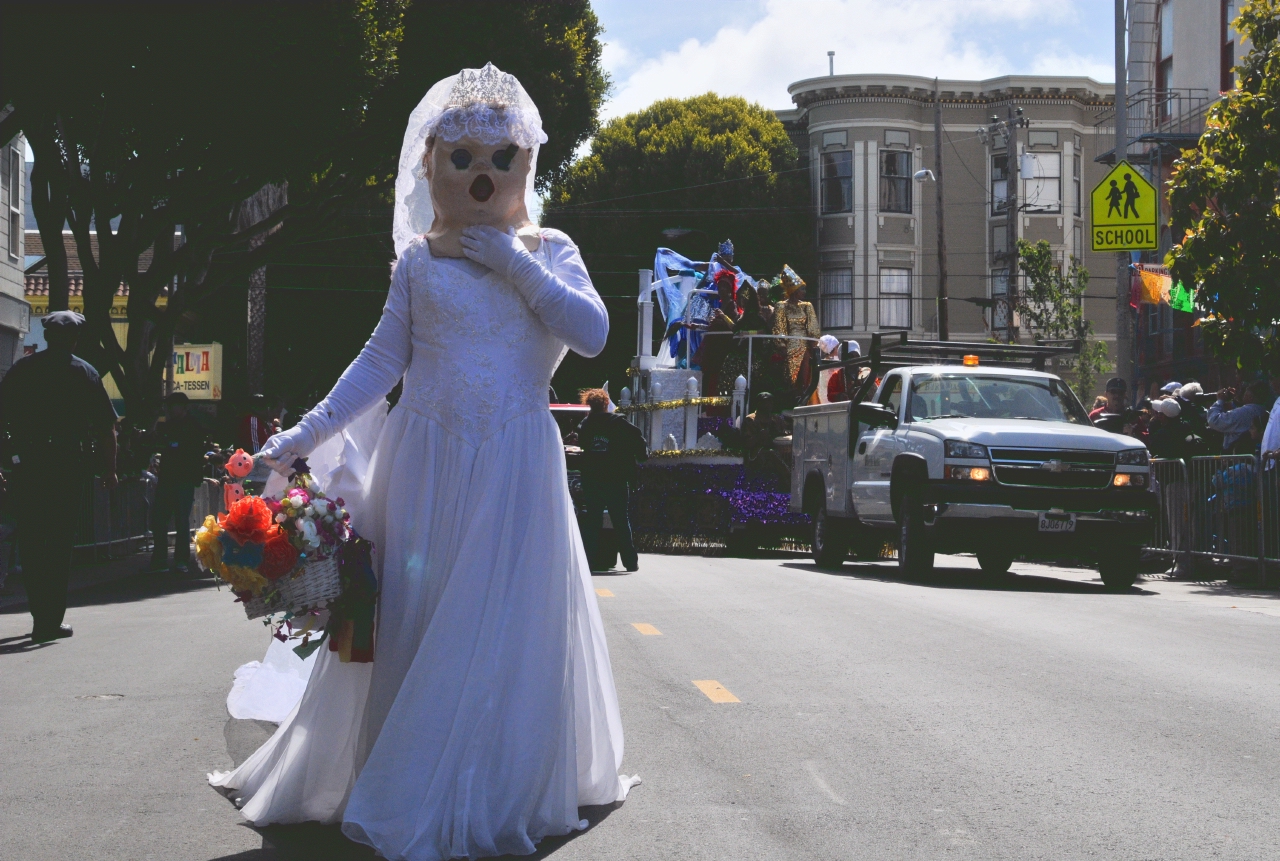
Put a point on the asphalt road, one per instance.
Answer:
(1032, 716)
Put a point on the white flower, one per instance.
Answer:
(281, 518)
(309, 534)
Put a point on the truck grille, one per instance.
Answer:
(1035, 467)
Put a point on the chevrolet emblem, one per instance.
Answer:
(1056, 465)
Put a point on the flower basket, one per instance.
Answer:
(311, 585)
(297, 563)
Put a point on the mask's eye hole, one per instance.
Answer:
(461, 158)
(502, 158)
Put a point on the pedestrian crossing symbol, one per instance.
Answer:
(1124, 211)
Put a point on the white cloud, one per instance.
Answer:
(789, 42)
(1071, 63)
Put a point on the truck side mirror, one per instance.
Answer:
(875, 415)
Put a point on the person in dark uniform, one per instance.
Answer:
(182, 444)
(62, 429)
(611, 449)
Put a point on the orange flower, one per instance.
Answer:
(249, 521)
(279, 556)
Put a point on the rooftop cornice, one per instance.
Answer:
(914, 88)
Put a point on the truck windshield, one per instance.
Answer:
(989, 397)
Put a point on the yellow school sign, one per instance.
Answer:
(1124, 211)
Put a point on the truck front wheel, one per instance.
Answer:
(915, 555)
(830, 540)
(1119, 568)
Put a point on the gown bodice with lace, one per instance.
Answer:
(475, 348)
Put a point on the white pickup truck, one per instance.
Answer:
(988, 455)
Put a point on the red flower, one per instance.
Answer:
(249, 521)
(279, 556)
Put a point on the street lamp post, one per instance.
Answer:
(944, 317)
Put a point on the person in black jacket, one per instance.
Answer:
(182, 444)
(62, 429)
(611, 449)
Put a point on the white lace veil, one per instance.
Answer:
(487, 104)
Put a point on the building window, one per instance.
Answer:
(1042, 187)
(893, 137)
(999, 293)
(1077, 244)
(999, 183)
(1228, 46)
(837, 182)
(895, 181)
(895, 298)
(14, 174)
(1164, 62)
(1076, 180)
(835, 298)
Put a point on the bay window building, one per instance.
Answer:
(864, 137)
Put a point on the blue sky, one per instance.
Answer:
(755, 48)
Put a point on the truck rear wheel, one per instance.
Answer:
(1119, 569)
(915, 555)
(994, 562)
(830, 540)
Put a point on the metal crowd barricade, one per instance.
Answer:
(112, 522)
(1223, 508)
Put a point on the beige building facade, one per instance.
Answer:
(864, 137)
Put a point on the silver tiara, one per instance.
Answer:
(486, 86)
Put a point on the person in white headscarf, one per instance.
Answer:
(489, 714)
(830, 346)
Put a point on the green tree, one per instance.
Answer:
(167, 118)
(152, 122)
(717, 167)
(1224, 203)
(1051, 306)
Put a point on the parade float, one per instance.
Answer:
(718, 355)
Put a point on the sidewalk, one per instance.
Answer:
(83, 576)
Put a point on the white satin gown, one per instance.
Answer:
(489, 714)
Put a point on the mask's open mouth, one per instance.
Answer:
(482, 188)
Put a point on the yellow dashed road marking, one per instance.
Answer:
(604, 593)
(646, 628)
(715, 691)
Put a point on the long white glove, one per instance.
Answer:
(282, 449)
(493, 248)
(564, 300)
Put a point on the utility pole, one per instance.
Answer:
(1011, 221)
(1124, 318)
(944, 321)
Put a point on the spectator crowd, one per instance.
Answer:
(1185, 421)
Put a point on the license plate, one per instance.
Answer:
(1053, 521)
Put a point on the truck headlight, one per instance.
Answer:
(971, 450)
(1133, 457)
(968, 473)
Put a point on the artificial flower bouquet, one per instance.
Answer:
(297, 561)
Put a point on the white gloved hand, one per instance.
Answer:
(491, 247)
(281, 450)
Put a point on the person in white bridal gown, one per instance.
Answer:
(489, 714)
